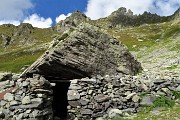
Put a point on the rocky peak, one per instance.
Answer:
(122, 11)
(176, 15)
(72, 21)
(24, 29)
(122, 17)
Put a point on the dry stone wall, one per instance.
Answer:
(29, 98)
(106, 96)
(115, 96)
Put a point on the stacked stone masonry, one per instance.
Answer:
(88, 98)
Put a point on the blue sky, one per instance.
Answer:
(53, 8)
(45, 13)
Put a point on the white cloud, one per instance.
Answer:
(38, 21)
(14, 22)
(102, 8)
(14, 9)
(62, 17)
(165, 7)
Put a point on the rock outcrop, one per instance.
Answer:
(122, 17)
(84, 52)
(72, 21)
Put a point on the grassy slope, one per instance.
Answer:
(157, 47)
(154, 43)
(20, 52)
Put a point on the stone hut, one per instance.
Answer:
(66, 83)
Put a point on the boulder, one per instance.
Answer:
(84, 52)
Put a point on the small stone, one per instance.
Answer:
(8, 97)
(114, 113)
(74, 103)
(76, 118)
(25, 84)
(13, 103)
(86, 112)
(100, 118)
(41, 95)
(144, 87)
(166, 90)
(26, 100)
(135, 98)
(28, 111)
(2, 103)
(102, 98)
(90, 92)
(75, 81)
(69, 107)
(75, 87)
(83, 93)
(84, 101)
(147, 100)
(73, 95)
(159, 81)
(178, 88)
(130, 95)
(127, 93)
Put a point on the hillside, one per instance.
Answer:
(22, 45)
(77, 47)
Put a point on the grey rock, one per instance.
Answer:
(2, 102)
(102, 98)
(74, 103)
(100, 118)
(84, 101)
(130, 95)
(136, 98)
(114, 113)
(147, 100)
(25, 84)
(74, 87)
(75, 81)
(14, 103)
(73, 95)
(72, 56)
(90, 92)
(8, 97)
(26, 100)
(159, 81)
(86, 112)
(178, 88)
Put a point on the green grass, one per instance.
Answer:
(171, 32)
(162, 101)
(176, 94)
(15, 62)
(172, 67)
(165, 114)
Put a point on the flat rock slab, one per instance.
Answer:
(84, 52)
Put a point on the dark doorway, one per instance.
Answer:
(60, 101)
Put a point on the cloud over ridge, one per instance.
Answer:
(103, 8)
(38, 21)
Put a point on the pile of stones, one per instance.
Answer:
(105, 97)
(112, 96)
(28, 98)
